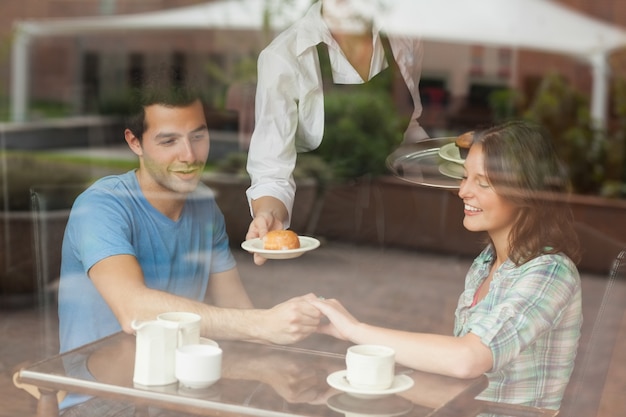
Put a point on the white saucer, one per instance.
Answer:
(256, 246)
(452, 170)
(371, 407)
(338, 381)
(450, 152)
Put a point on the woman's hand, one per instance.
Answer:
(342, 324)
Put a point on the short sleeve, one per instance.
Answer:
(99, 227)
(528, 305)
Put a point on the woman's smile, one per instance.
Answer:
(471, 209)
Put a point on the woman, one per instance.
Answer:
(334, 47)
(519, 318)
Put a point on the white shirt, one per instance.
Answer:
(289, 105)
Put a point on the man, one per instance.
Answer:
(153, 240)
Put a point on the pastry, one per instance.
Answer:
(463, 142)
(281, 240)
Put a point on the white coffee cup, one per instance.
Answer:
(198, 365)
(370, 367)
(188, 326)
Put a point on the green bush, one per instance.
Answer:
(49, 109)
(20, 172)
(361, 130)
(313, 166)
(505, 104)
(234, 163)
(592, 156)
(115, 104)
(307, 166)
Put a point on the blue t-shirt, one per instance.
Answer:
(112, 217)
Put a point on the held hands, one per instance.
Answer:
(341, 324)
(291, 321)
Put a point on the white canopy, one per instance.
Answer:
(532, 24)
(529, 24)
(224, 14)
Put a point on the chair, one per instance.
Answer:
(595, 364)
(50, 208)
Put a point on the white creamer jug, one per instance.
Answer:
(155, 353)
(188, 326)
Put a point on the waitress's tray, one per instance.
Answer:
(420, 163)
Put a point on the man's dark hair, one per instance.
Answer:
(158, 89)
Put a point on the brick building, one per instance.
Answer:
(81, 71)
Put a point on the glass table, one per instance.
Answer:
(257, 380)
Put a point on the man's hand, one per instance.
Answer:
(290, 321)
(342, 322)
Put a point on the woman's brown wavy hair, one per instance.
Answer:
(523, 167)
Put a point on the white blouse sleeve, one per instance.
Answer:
(272, 153)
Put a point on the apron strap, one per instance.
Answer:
(327, 71)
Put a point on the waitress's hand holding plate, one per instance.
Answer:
(257, 246)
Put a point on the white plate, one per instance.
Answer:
(450, 152)
(418, 163)
(452, 170)
(338, 381)
(256, 246)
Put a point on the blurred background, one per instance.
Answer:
(67, 66)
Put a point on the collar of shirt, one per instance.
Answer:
(482, 265)
(478, 272)
(313, 30)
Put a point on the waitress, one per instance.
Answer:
(333, 46)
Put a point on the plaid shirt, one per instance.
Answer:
(531, 320)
